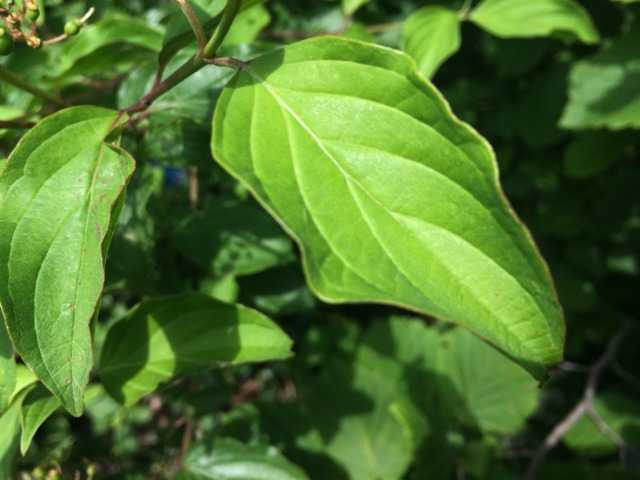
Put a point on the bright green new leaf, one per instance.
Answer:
(166, 336)
(391, 198)
(56, 194)
(603, 90)
(37, 406)
(535, 18)
(430, 36)
(228, 459)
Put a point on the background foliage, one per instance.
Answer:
(371, 392)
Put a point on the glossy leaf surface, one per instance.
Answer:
(430, 36)
(526, 18)
(391, 198)
(166, 336)
(56, 194)
(227, 459)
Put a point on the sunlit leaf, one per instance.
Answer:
(56, 194)
(390, 197)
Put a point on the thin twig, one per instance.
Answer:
(384, 27)
(193, 187)
(574, 367)
(229, 13)
(607, 431)
(195, 24)
(585, 405)
(184, 444)
(16, 124)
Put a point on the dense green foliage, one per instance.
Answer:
(278, 239)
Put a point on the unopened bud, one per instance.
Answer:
(34, 42)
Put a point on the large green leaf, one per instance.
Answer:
(527, 18)
(227, 459)
(56, 194)
(430, 36)
(391, 198)
(603, 90)
(164, 337)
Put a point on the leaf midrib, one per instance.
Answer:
(271, 90)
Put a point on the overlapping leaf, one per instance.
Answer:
(391, 198)
(166, 336)
(430, 36)
(56, 194)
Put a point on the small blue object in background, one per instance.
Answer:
(175, 177)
